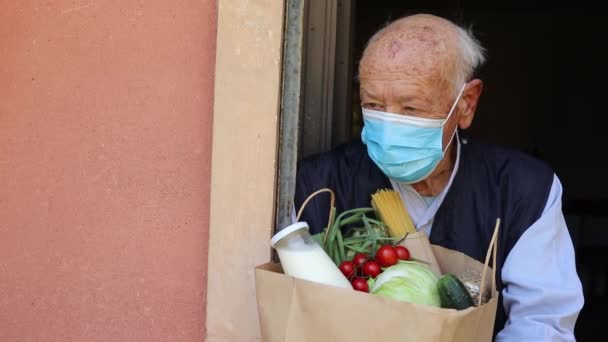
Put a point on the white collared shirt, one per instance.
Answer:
(420, 211)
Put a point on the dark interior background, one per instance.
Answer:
(544, 94)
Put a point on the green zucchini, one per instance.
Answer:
(453, 293)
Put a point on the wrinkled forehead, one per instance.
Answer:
(417, 50)
(422, 78)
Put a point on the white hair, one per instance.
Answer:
(472, 56)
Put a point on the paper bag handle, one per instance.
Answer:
(332, 202)
(492, 250)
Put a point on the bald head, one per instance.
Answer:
(422, 46)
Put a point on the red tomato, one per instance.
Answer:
(402, 253)
(386, 256)
(372, 269)
(359, 259)
(360, 284)
(347, 268)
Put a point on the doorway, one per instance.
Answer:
(538, 97)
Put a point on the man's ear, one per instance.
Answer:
(468, 105)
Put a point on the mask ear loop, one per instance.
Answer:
(450, 114)
(455, 103)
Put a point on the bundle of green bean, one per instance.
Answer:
(365, 236)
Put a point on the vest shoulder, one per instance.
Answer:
(509, 161)
(343, 157)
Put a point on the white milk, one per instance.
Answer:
(310, 262)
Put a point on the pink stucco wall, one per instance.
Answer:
(105, 143)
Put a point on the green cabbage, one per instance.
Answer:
(408, 281)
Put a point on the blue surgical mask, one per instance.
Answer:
(406, 148)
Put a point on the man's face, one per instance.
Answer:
(410, 70)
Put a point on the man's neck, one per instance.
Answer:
(434, 184)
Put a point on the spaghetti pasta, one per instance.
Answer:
(393, 212)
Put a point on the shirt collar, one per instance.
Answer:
(408, 190)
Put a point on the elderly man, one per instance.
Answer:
(417, 91)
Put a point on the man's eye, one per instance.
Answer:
(375, 106)
(409, 109)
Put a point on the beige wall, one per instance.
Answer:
(105, 133)
(246, 110)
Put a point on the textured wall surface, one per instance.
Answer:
(105, 150)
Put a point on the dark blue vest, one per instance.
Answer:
(491, 182)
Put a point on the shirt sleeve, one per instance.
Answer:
(543, 294)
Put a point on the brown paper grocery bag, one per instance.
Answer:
(295, 310)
